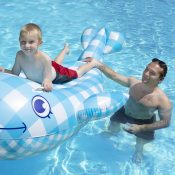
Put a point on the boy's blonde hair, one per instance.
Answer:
(31, 27)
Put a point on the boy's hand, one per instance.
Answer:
(2, 69)
(47, 84)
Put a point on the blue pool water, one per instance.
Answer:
(149, 28)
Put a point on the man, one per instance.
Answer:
(145, 98)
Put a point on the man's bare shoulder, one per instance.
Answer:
(164, 101)
(133, 81)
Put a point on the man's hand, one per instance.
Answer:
(47, 84)
(95, 62)
(133, 128)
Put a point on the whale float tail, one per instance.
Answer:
(97, 43)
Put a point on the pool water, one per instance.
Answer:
(149, 28)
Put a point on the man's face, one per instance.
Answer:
(152, 74)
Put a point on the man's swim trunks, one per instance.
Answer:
(63, 74)
(121, 117)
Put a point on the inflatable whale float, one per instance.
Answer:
(34, 121)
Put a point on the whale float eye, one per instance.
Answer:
(41, 106)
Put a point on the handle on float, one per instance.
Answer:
(101, 105)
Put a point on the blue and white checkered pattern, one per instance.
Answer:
(101, 105)
(22, 131)
(95, 46)
(34, 121)
(114, 43)
(99, 42)
(87, 36)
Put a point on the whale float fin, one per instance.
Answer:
(100, 105)
(96, 46)
(96, 43)
(87, 36)
(115, 42)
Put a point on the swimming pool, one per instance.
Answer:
(149, 30)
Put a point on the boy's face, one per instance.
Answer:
(29, 43)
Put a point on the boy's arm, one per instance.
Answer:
(47, 75)
(16, 69)
(2, 69)
(8, 71)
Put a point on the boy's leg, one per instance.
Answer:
(60, 57)
(85, 68)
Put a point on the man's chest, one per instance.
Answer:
(147, 100)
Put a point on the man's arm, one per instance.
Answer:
(164, 112)
(122, 80)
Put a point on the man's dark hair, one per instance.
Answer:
(163, 65)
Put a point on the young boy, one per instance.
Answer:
(37, 66)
